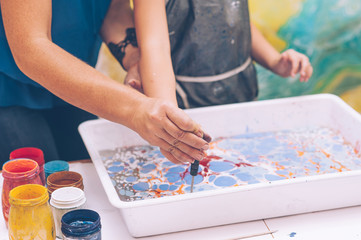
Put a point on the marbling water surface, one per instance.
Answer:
(142, 172)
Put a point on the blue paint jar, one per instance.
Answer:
(81, 224)
(55, 166)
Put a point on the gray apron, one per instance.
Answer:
(211, 52)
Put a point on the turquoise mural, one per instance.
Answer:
(328, 31)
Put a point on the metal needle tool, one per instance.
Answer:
(194, 172)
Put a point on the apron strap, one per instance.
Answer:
(182, 95)
(215, 78)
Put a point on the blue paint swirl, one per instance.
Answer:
(141, 186)
(217, 166)
(224, 181)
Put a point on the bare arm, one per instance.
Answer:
(28, 31)
(262, 51)
(289, 63)
(155, 63)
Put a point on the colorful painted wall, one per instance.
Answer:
(328, 31)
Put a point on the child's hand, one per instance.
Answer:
(290, 63)
(132, 78)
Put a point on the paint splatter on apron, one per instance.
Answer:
(211, 52)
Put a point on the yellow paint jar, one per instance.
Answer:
(30, 216)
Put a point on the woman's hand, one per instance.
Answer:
(162, 124)
(290, 63)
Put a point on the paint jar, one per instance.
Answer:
(82, 224)
(64, 179)
(30, 214)
(64, 200)
(55, 166)
(15, 173)
(35, 154)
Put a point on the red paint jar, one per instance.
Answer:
(15, 173)
(32, 153)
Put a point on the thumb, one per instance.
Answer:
(136, 84)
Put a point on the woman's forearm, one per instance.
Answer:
(78, 83)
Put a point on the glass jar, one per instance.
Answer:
(81, 224)
(30, 216)
(64, 200)
(32, 153)
(15, 173)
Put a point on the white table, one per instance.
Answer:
(339, 224)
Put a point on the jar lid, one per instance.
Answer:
(80, 223)
(67, 197)
(56, 166)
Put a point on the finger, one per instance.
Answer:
(309, 72)
(131, 83)
(183, 121)
(295, 63)
(180, 126)
(126, 80)
(303, 69)
(170, 157)
(176, 152)
(136, 84)
(188, 138)
(184, 148)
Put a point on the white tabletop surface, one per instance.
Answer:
(339, 224)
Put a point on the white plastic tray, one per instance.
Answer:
(242, 203)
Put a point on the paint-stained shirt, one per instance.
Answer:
(75, 28)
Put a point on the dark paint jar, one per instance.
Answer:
(81, 224)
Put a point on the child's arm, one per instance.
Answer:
(155, 64)
(289, 63)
